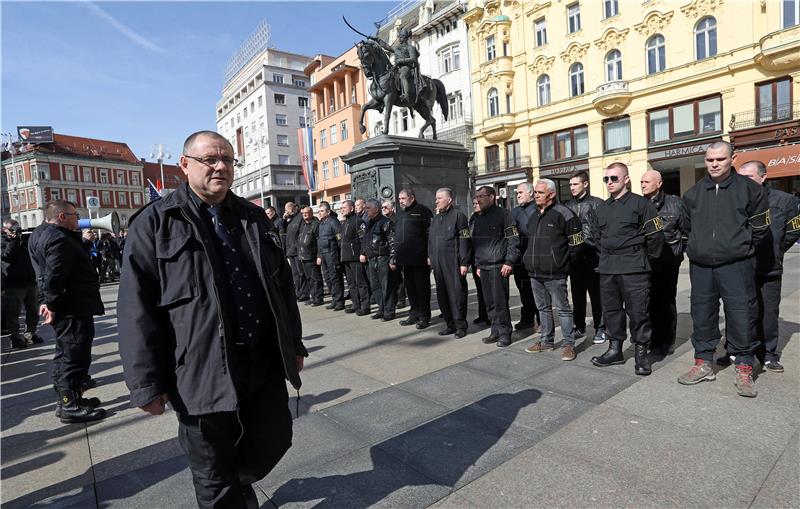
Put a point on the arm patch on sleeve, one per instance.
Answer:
(760, 221)
(464, 234)
(338, 236)
(512, 231)
(793, 224)
(576, 239)
(654, 225)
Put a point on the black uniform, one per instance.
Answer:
(330, 232)
(482, 316)
(495, 239)
(378, 246)
(307, 236)
(629, 235)
(353, 229)
(449, 249)
(583, 272)
(664, 278)
(292, 227)
(724, 222)
(529, 314)
(412, 225)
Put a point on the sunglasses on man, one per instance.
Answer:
(610, 178)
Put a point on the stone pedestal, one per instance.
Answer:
(380, 167)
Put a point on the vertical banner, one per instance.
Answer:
(305, 141)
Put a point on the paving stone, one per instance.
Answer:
(328, 384)
(511, 364)
(454, 501)
(455, 386)
(164, 484)
(384, 414)
(78, 498)
(781, 488)
(590, 384)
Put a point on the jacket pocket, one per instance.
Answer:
(176, 270)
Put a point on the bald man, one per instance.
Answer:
(664, 278)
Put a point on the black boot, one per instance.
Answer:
(87, 402)
(612, 356)
(75, 409)
(642, 362)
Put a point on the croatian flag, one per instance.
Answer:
(154, 195)
(305, 140)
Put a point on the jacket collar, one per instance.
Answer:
(658, 198)
(182, 198)
(709, 184)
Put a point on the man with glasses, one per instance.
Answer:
(629, 236)
(69, 292)
(208, 321)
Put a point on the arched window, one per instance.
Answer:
(494, 103)
(705, 38)
(614, 65)
(543, 89)
(576, 79)
(656, 54)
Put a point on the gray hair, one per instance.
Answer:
(389, 202)
(551, 186)
(445, 190)
(525, 185)
(349, 202)
(10, 223)
(760, 167)
(325, 206)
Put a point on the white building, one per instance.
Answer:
(264, 102)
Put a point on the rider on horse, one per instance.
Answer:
(406, 63)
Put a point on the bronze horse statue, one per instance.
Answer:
(386, 93)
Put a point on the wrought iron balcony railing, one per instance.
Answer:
(763, 116)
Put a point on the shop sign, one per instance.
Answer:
(563, 170)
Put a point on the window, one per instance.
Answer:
(343, 129)
(352, 95)
(509, 104)
(455, 106)
(513, 155)
(335, 167)
(491, 53)
(685, 120)
(302, 121)
(284, 178)
(69, 174)
(283, 140)
(543, 89)
(564, 144)
(332, 130)
(656, 55)
(244, 112)
(540, 29)
(323, 138)
(576, 80)
(42, 170)
(449, 59)
(55, 194)
(12, 177)
(404, 119)
(280, 119)
(137, 199)
(395, 122)
(280, 99)
(260, 103)
(492, 154)
(298, 82)
(135, 180)
(617, 135)
(614, 66)
(494, 104)
(277, 78)
(302, 102)
(87, 174)
(31, 197)
(610, 8)
(325, 170)
(121, 199)
(774, 101)
(105, 197)
(573, 18)
(21, 176)
(252, 107)
(104, 176)
(705, 38)
(378, 128)
(120, 178)
(791, 13)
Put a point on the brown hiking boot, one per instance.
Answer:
(568, 353)
(702, 370)
(540, 346)
(745, 385)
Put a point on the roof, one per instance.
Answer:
(173, 175)
(89, 148)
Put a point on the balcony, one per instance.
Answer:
(498, 128)
(780, 51)
(515, 163)
(612, 98)
(773, 114)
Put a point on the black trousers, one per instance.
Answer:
(357, 282)
(383, 282)
(299, 276)
(584, 278)
(418, 289)
(495, 294)
(401, 287)
(333, 274)
(229, 451)
(73, 352)
(735, 284)
(451, 294)
(769, 303)
(663, 310)
(16, 299)
(529, 312)
(314, 279)
(479, 293)
(626, 294)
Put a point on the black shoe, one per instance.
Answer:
(18, 343)
(423, 324)
(447, 332)
(88, 402)
(317, 303)
(460, 333)
(338, 307)
(642, 362)
(75, 409)
(377, 316)
(330, 306)
(504, 341)
(490, 339)
(481, 319)
(408, 321)
(349, 309)
(303, 298)
(774, 366)
(387, 318)
(362, 312)
(309, 302)
(524, 325)
(612, 356)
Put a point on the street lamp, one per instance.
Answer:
(12, 149)
(258, 142)
(159, 152)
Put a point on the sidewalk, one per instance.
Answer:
(405, 418)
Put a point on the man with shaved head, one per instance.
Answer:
(664, 278)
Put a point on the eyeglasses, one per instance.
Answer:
(385, 207)
(610, 178)
(212, 161)
(76, 214)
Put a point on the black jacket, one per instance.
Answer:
(629, 234)
(411, 226)
(174, 337)
(724, 222)
(449, 243)
(522, 214)
(330, 231)
(784, 230)
(669, 210)
(65, 275)
(584, 208)
(307, 237)
(379, 239)
(289, 238)
(553, 236)
(495, 238)
(353, 229)
(17, 268)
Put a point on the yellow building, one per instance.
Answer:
(562, 86)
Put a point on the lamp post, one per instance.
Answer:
(159, 153)
(258, 142)
(9, 145)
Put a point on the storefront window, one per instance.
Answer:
(701, 116)
(564, 144)
(617, 134)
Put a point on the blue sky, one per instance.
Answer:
(147, 72)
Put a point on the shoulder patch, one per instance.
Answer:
(793, 224)
(464, 234)
(653, 225)
(760, 221)
(512, 231)
(576, 239)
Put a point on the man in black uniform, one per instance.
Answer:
(412, 224)
(522, 213)
(292, 219)
(450, 254)
(583, 271)
(307, 236)
(495, 240)
(664, 278)
(482, 317)
(629, 235)
(330, 232)
(388, 209)
(19, 286)
(725, 216)
(353, 228)
(377, 249)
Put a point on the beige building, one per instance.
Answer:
(563, 86)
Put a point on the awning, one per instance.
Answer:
(781, 161)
